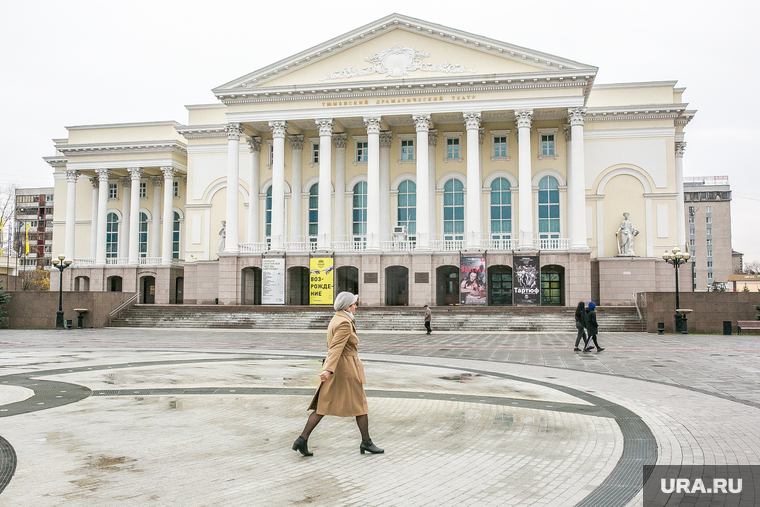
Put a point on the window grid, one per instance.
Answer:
(314, 213)
(501, 209)
(142, 236)
(268, 214)
(407, 206)
(548, 208)
(315, 153)
(453, 209)
(362, 151)
(112, 236)
(500, 146)
(176, 188)
(175, 236)
(407, 149)
(143, 190)
(360, 209)
(452, 148)
(547, 145)
(113, 191)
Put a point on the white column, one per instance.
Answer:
(680, 208)
(134, 217)
(474, 225)
(324, 200)
(524, 119)
(576, 185)
(422, 125)
(296, 200)
(253, 203)
(100, 252)
(385, 139)
(234, 131)
(126, 201)
(340, 141)
(432, 181)
(373, 182)
(155, 234)
(166, 243)
(279, 128)
(71, 211)
(94, 222)
(568, 170)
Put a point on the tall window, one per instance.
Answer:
(501, 209)
(452, 148)
(112, 236)
(548, 208)
(314, 213)
(315, 153)
(407, 149)
(268, 215)
(142, 236)
(360, 209)
(407, 206)
(362, 151)
(175, 236)
(453, 209)
(176, 188)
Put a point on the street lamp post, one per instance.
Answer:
(60, 263)
(676, 258)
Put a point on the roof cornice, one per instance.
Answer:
(170, 146)
(56, 161)
(676, 112)
(124, 125)
(202, 131)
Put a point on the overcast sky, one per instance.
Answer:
(93, 62)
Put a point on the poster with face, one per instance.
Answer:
(472, 281)
(527, 280)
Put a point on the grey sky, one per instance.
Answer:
(93, 62)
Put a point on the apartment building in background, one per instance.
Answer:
(34, 209)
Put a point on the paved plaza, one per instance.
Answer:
(207, 417)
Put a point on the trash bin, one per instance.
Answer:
(679, 322)
(660, 327)
(726, 327)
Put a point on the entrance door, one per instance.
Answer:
(179, 290)
(500, 285)
(397, 286)
(298, 286)
(447, 285)
(348, 280)
(148, 290)
(552, 285)
(251, 286)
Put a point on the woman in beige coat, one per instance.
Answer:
(341, 388)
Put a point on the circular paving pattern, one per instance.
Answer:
(175, 430)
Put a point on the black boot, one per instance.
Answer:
(300, 446)
(367, 445)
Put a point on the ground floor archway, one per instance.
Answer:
(552, 285)
(347, 280)
(250, 286)
(396, 286)
(298, 285)
(499, 285)
(447, 285)
(179, 289)
(148, 289)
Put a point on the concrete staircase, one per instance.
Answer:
(467, 320)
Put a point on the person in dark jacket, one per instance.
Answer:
(592, 327)
(580, 325)
(428, 318)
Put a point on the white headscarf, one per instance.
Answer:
(344, 300)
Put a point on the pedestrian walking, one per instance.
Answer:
(592, 327)
(428, 318)
(341, 388)
(580, 325)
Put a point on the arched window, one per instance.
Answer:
(548, 208)
(407, 206)
(360, 209)
(112, 236)
(501, 209)
(313, 213)
(268, 215)
(453, 210)
(175, 236)
(142, 236)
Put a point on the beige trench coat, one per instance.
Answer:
(342, 394)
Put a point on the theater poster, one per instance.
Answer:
(272, 281)
(527, 280)
(321, 281)
(472, 281)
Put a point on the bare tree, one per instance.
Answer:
(752, 267)
(7, 212)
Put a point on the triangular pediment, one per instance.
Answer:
(399, 49)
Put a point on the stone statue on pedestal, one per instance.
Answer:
(624, 237)
(222, 236)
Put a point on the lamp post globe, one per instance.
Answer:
(676, 258)
(60, 264)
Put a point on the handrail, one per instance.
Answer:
(636, 304)
(117, 312)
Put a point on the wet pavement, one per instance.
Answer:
(207, 417)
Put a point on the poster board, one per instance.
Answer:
(321, 281)
(526, 283)
(472, 281)
(272, 281)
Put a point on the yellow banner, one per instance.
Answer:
(321, 281)
(28, 226)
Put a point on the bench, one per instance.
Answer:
(748, 324)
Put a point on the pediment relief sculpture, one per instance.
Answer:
(397, 61)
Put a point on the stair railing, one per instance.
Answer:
(636, 304)
(116, 313)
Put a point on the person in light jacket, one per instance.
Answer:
(341, 388)
(428, 318)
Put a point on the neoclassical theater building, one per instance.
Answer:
(392, 154)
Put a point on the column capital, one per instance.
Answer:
(296, 141)
(103, 174)
(386, 138)
(254, 142)
(481, 135)
(234, 131)
(325, 126)
(135, 173)
(680, 148)
(94, 183)
(422, 122)
(125, 182)
(575, 115)
(158, 181)
(471, 120)
(169, 172)
(568, 131)
(524, 118)
(71, 175)
(373, 124)
(278, 128)
(340, 141)
(432, 137)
